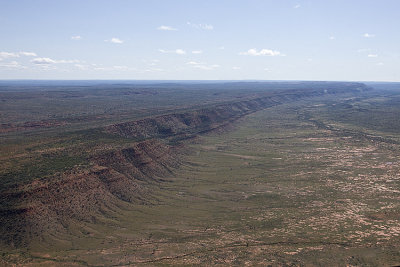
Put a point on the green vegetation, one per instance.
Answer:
(299, 183)
(39, 168)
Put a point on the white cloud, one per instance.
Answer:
(262, 52)
(197, 52)
(63, 61)
(76, 37)
(221, 48)
(46, 60)
(82, 67)
(236, 68)
(368, 35)
(297, 6)
(200, 26)
(166, 28)
(266, 69)
(380, 64)
(207, 27)
(114, 40)
(368, 52)
(28, 54)
(124, 68)
(202, 66)
(180, 51)
(16, 54)
(104, 68)
(43, 60)
(207, 67)
(47, 67)
(176, 51)
(332, 37)
(154, 70)
(12, 65)
(8, 54)
(152, 62)
(194, 63)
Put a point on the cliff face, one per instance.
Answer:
(193, 122)
(198, 121)
(123, 175)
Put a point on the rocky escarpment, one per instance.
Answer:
(187, 124)
(114, 177)
(118, 176)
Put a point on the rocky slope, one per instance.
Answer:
(81, 194)
(197, 121)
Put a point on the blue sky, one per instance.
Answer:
(200, 40)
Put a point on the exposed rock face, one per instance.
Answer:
(130, 168)
(203, 120)
(115, 176)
